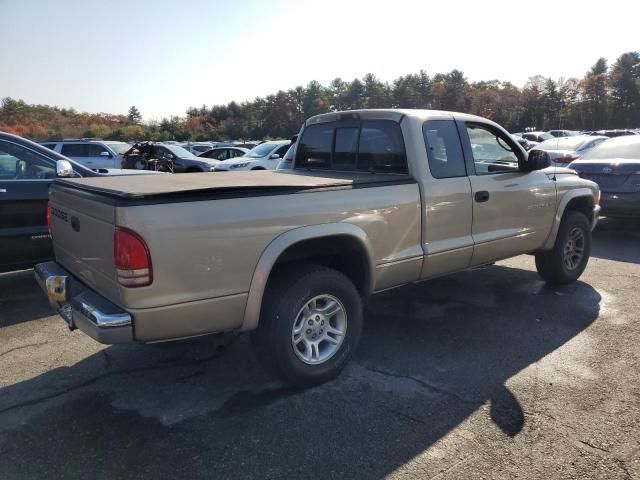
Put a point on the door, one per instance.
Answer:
(446, 192)
(513, 210)
(25, 177)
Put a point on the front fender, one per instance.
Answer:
(273, 251)
(562, 205)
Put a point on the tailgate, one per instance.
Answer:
(82, 227)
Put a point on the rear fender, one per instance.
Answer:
(273, 251)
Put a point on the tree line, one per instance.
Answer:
(606, 97)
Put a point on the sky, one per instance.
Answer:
(164, 55)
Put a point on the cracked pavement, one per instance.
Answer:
(483, 374)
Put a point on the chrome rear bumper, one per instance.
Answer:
(83, 308)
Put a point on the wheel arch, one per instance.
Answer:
(297, 246)
(580, 199)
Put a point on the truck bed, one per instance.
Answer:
(167, 187)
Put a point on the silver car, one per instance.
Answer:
(93, 154)
(562, 151)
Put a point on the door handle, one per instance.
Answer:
(481, 196)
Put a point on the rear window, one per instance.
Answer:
(370, 145)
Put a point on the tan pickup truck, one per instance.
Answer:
(376, 199)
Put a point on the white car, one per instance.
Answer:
(197, 148)
(265, 156)
(564, 150)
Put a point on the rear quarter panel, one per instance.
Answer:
(209, 249)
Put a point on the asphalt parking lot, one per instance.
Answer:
(484, 374)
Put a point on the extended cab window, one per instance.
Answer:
(492, 151)
(444, 150)
(370, 145)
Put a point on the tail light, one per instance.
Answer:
(49, 217)
(132, 259)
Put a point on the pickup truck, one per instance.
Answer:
(375, 199)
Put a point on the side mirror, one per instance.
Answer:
(63, 169)
(537, 160)
(275, 156)
(105, 154)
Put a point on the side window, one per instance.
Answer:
(74, 150)
(220, 154)
(444, 150)
(95, 150)
(314, 150)
(235, 153)
(492, 153)
(281, 151)
(18, 163)
(381, 147)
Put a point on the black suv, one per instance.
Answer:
(26, 171)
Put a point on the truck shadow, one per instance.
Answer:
(431, 355)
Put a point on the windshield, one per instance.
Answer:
(178, 151)
(119, 147)
(621, 147)
(261, 150)
(563, 143)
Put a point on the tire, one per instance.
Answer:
(574, 234)
(291, 291)
(193, 170)
(257, 168)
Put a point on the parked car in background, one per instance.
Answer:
(537, 136)
(615, 133)
(224, 153)
(265, 156)
(563, 133)
(197, 148)
(524, 143)
(184, 161)
(563, 151)
(287, 161)
(92, 154)
(615, 166)
(26, 172)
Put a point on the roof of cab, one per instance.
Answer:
(395, 114)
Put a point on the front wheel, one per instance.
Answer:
(310, 324)
(570, 254)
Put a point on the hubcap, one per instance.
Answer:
(319, 329)
(574, 249)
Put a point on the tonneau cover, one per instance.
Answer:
(144, 186)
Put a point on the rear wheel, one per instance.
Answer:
(570, 254)
(310, 324)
